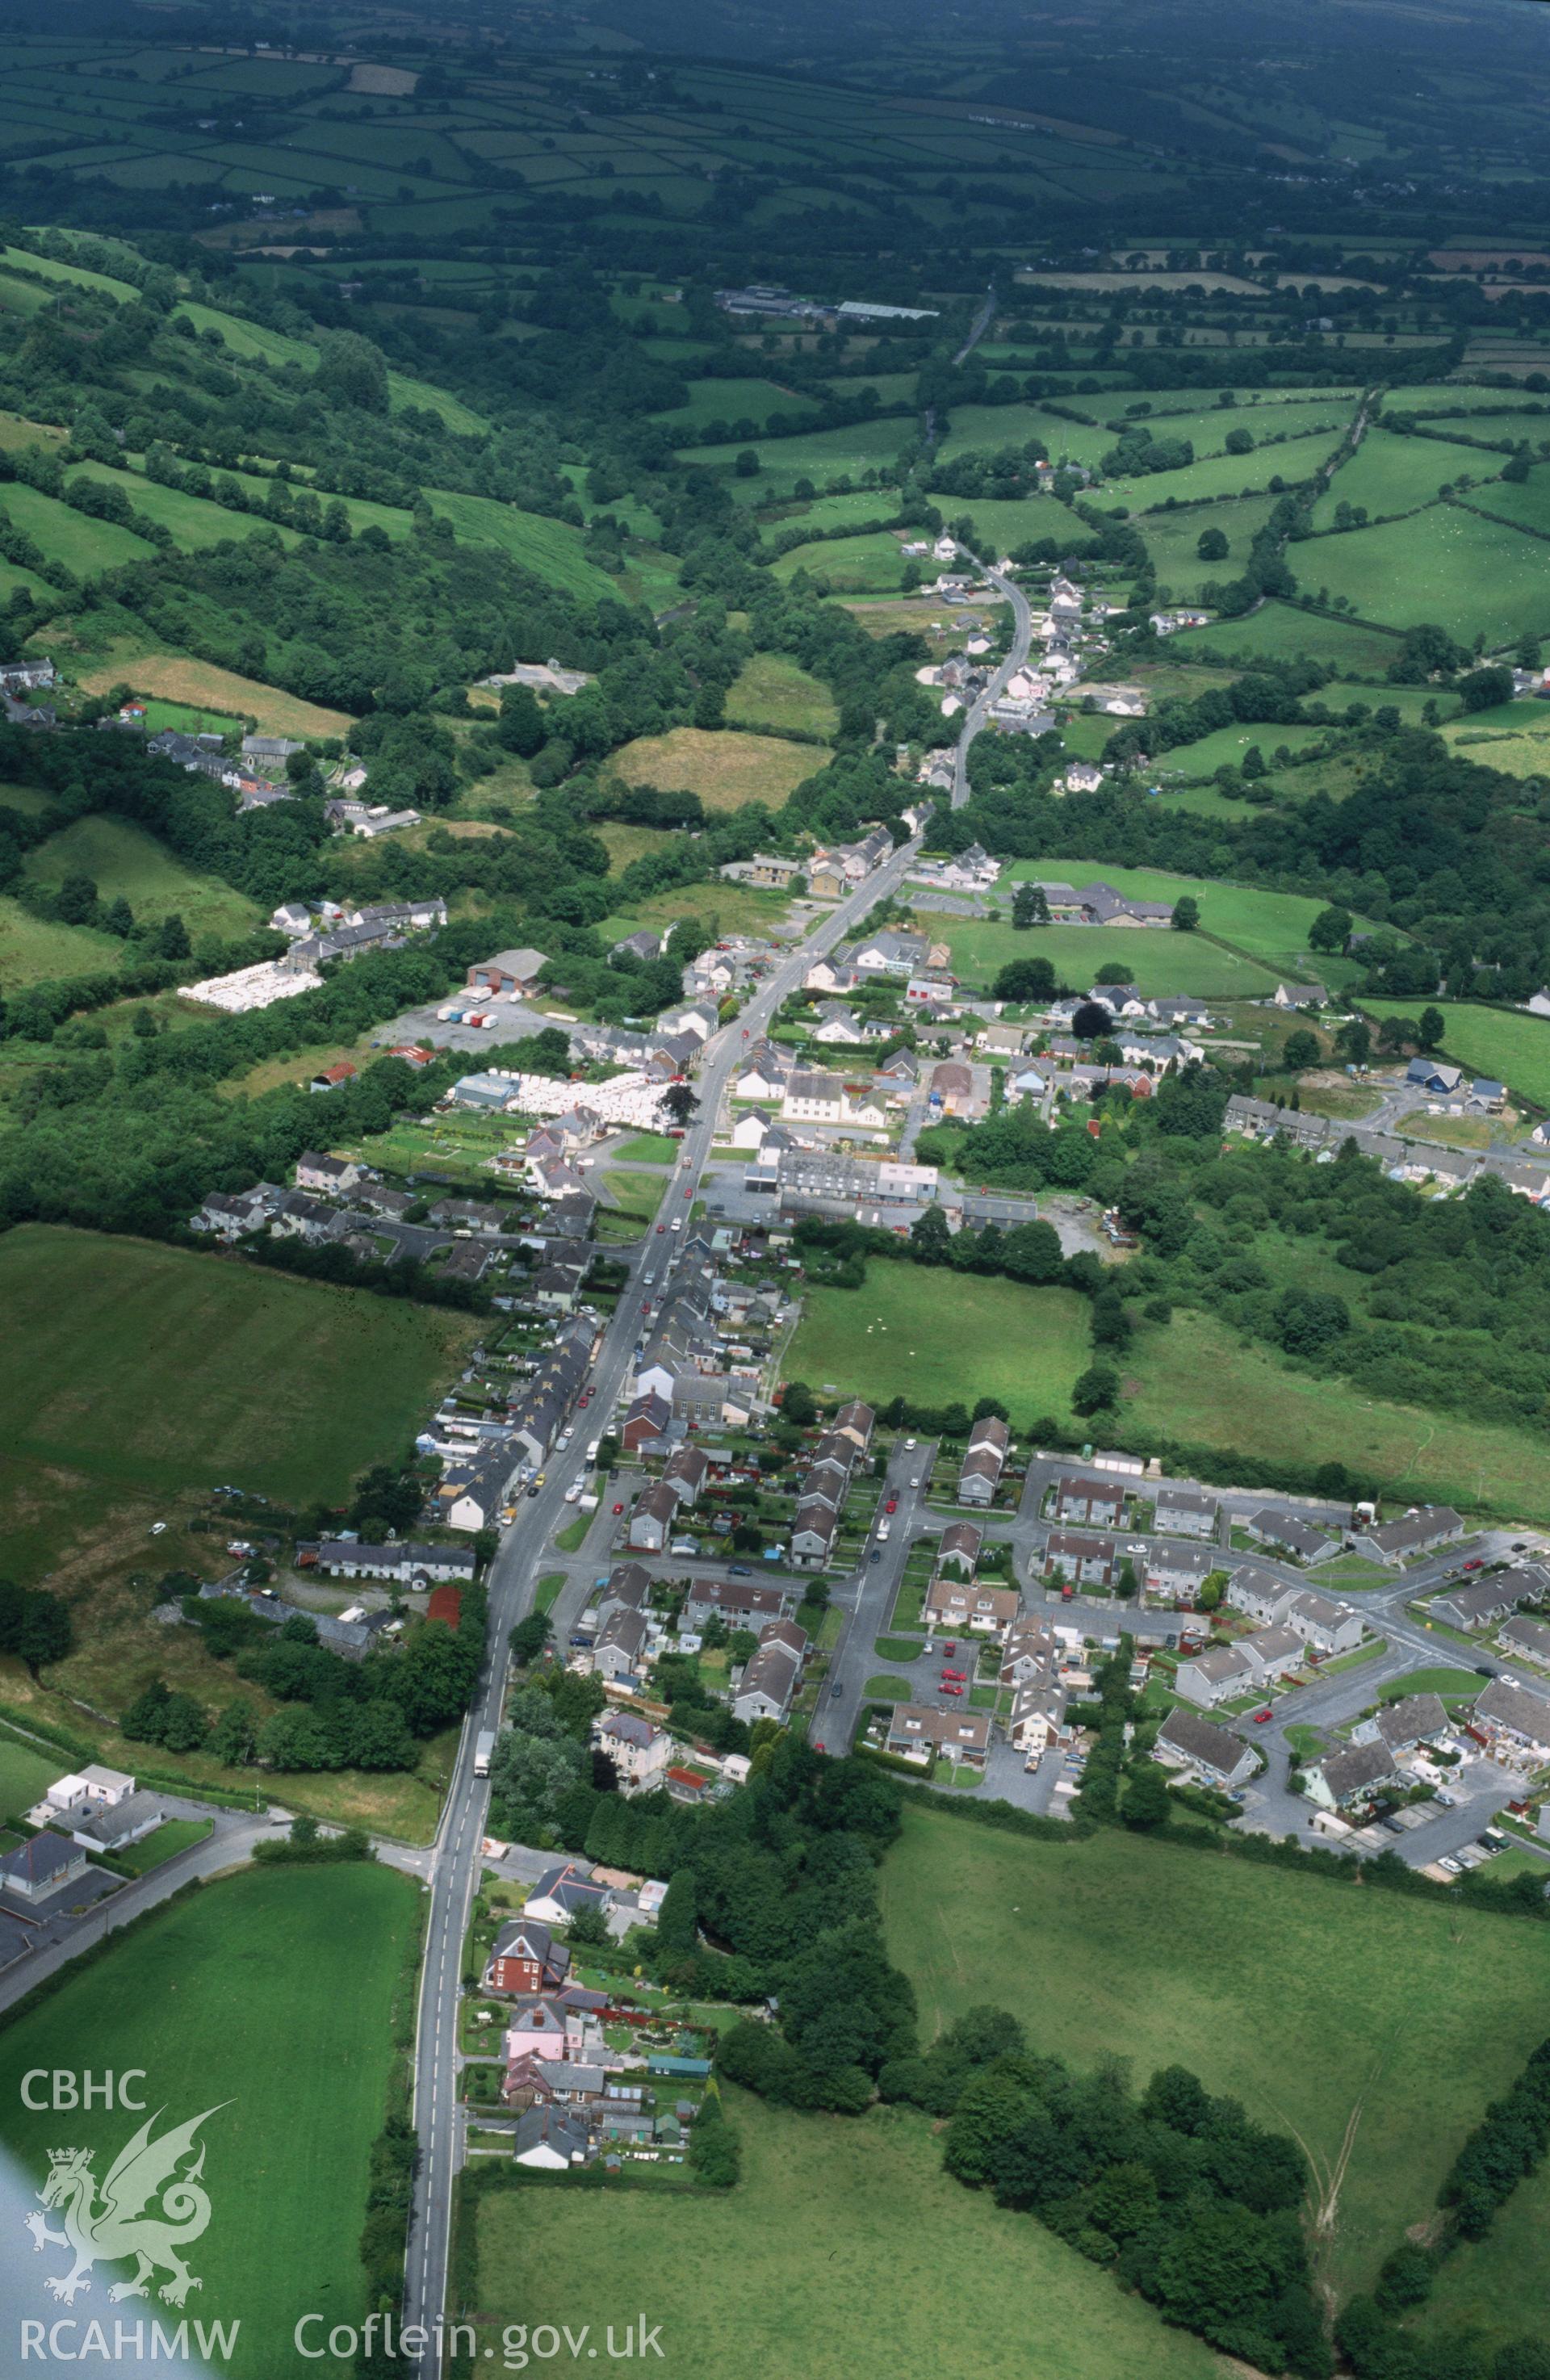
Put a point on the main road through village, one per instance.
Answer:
(455, 1859)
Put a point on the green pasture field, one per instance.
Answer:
(952, 2274)
(121, 859)
(1285, 632)
(1499, 2288)
(1171, 539)
(731, 401)
(1001, 523)
(1506, 1043)
(987, 428)
(194, 521)
(950, 1337)
(1204, 800)
(48, 268)
(15, 580)
(1468, 575)
(308, 1955)
(1371, 2023)
(25, 1776)
(1222, 475)
(1156, 962)
(1271, 927)
(869, 565)
(550, 549)
(853, 511)
(1410, 701)
(817, 454)
(1226, 745)
(82, 544)
(1458, 396)
(32, 949)
(139, 1379)
(1525, 503)
(772, 690)
(1521, 752)
(1195, 1381)
(1391, 474)
(724, 768)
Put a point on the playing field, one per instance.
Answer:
(723, 768)
(200, 1997)
(1196, 1383)
(762, 2278)
(1321, 2007)
(121, 859)
(150, 1370)
(1505, 1043)
(941, 1337)
(1156, 960)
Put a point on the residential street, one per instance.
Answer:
(980, 711)
(521, 1561)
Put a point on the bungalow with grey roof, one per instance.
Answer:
(1530, 1638)
(44, 1863)
(1421, 1530)
(1481, 1602)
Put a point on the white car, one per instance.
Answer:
(915, 1483)
(676, 1224)
(909, 1446)
(572, 1494)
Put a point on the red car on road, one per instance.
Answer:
(958, 1677)
(1260, 1717)
(1478, 1563)
(949, 1648)
(891, 1505)
(952, 1690)
(618, 1508)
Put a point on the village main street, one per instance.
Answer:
(514, 1574)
